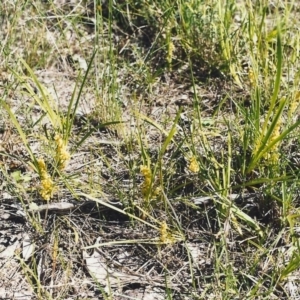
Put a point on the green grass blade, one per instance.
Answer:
(19, 129)
(72, 112)
(44, 100)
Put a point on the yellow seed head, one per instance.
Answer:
(171, 49)
(62, 155)
(47, 185)
(41, 164)
(193, 165)
(146, 171)
(157, 192)
(47, 188)
(147, 180)
(165, 236)
(251, 77)
(273, 157)
(257, 143)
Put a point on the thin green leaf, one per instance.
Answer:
(20, 131)
(265, 147)
(72, 112)
(44, 100)
(277, 81)
(172, 132)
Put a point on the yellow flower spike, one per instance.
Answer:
(47, 185)
(41, 164)
(251, 77)
(165, 236)
(147, 180)
(194, 166)
(42, 167)
(171, 49)
(47, 188)
(146, 171)
(157, 192)
(62, 155)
